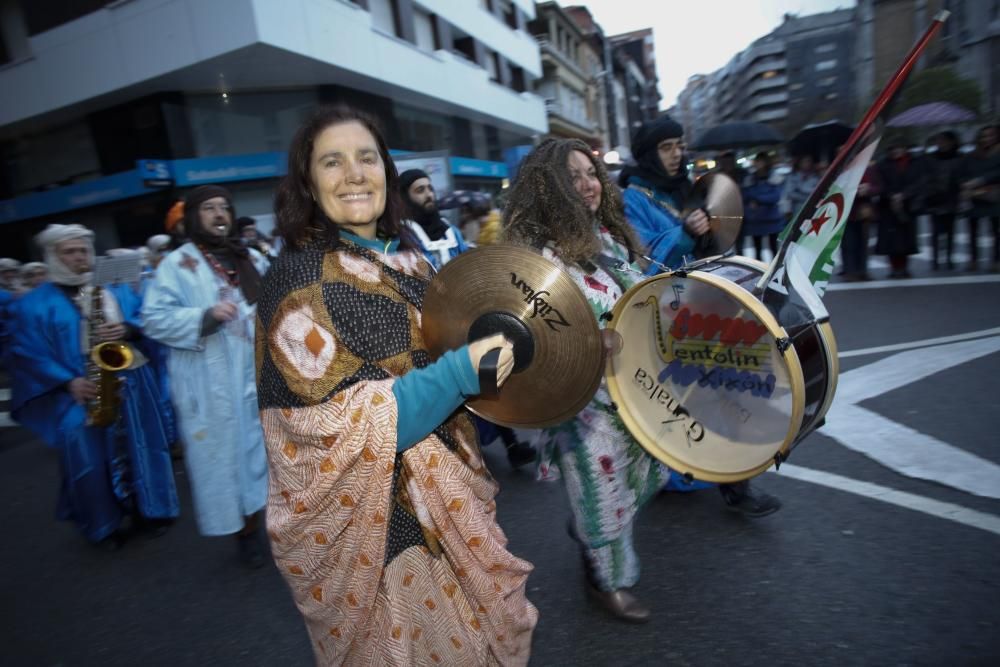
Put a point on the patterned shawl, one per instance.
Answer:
(392, 558)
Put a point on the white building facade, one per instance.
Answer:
(212, 91)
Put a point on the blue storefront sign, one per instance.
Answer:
(464, 166)
(229, 168)
(71, 197)
(151, 174)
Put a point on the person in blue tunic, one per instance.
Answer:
(107, 473)
(129, 297)
(202, 305)
(657, 193)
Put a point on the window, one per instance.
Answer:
(493, 65)
(826, 48)
(769, 74)
(384, 15)
(464, 46)
(795, 86)
(423, 30)
(830, 96)
(827, 81)
(825, 65)
(42, 16)
(509, 13)
(517, 79)
(487, 5)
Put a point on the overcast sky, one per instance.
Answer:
(697, 36)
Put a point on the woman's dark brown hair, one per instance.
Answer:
(543, 206)
(299, 218)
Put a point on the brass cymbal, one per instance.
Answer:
(720, 196)
(558, 357)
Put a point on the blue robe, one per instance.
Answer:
(106, 472)
(130, 302)
(7, 300)
(655, 217)
(214, 388)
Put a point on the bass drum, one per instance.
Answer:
(713, 381)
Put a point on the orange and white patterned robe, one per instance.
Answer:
(392, 558)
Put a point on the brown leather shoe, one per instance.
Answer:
(621, 603)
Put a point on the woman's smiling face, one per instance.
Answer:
(347, 175)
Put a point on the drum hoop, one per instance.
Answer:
(833, 363)
(791, 359)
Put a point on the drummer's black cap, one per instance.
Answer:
(407, 178)
(649, 136)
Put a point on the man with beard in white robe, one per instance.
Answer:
(202, 305)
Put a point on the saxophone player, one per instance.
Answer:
(108, 472)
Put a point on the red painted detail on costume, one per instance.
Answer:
(189, 263)
(606, 464)
(595, 284)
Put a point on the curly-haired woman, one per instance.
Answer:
(564, 204)
(380, 509)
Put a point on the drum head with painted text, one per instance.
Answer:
(699, 379)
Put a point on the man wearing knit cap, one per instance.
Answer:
(657, 192)
(440, 240)
(107, 472)
(202, 305)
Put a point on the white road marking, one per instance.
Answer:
(948, 511)
(910, 452)
(927, 342)
(4, 393)
(5, 420)
(917, 282)
(900, 447)
(907, 367)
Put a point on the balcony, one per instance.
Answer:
(757, 101)
(769, 115)
(759, 85)
(551, 52)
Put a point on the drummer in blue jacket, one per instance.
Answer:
(656, 190)
(656, 193)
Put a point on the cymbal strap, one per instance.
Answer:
(488, 366)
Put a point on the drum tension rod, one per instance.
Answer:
(605, 317)
(783, 344)
(779, 458)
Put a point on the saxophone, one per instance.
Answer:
(103, 361)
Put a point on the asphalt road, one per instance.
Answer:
(869, 562)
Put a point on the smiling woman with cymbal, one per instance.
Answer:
(380, 508)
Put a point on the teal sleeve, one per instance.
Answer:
(425, 397)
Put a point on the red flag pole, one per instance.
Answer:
(866, 123)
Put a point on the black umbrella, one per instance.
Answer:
(820, 140)
(738, 134)
(460, 198)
